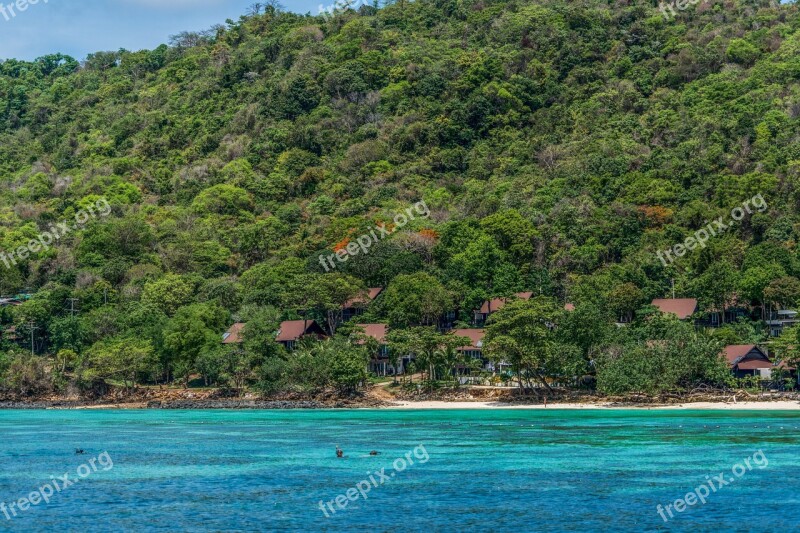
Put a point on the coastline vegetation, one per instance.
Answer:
(558, 145)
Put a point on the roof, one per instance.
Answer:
(745, 356)
(495, 304)
(234, 334)
(372, 293)
(291, 330)
(376, 331)
(754, 364)
(475, 336)
(683, 308)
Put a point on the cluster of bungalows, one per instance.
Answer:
(687, 308)
(291, 331)
(744, 360)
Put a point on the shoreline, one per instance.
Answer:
(781, 405)
(401, 405)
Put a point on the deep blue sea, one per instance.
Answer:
(449, 470)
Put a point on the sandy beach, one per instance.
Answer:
(389, 403)
(738, 406)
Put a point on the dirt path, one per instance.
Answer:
(379, 392)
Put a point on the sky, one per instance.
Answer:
(80, 27)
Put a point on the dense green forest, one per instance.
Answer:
(558, 145)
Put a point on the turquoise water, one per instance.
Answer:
(472, 470)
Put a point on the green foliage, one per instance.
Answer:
(332, 292)
(787, 347)
(523, 334)
(415, 299)
(559, 146)
(122, 359)
(316, 365)
(259, 333)
(667, 356)
(434, 353)
(192, 329)
(168, 294)
(25, 374)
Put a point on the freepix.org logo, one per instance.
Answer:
(363, 243)
(713, 229)
(9, 11)
(56, 486)
(668, 8)
(55, 232)
(712, 484)
(375, 480)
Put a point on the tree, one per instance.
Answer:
(514, 234)
(624, 300)
(122, 358)
(787, 347)
(741, 51)
(225, 365)
(192, 329)
(435, 352)
(754, 281)
(168, 293)
(65, 359)
(783, 292)
(415, 299)
(675, 358)
(26, 375)
(588, 327)
(259, 333)
(211, 362)
(331, 292)
(223, 199)
(522, 334)
(478, 264)
(67, 333)
(717, 285)
(346, 364)
(273, 284)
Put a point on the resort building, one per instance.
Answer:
(495, 304)
(234, 334)
(475, 348)
(683, 308)
(293, 330)
(356, 306)
(779, 320)
(748, 360)
(379, 361)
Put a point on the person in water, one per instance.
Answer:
(373, 452)
(339, 452)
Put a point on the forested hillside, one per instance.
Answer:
(559, 145)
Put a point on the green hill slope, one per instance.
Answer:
(558, 146)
